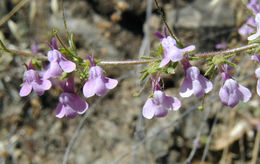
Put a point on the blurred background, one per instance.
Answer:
(114, 131)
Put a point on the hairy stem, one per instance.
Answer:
(145, 61)
(229, 51)
(26, 54)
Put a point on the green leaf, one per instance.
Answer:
(229, 63)
(143, 71)
(136, 94)
(144, 77)
(209, 70)
(228, 56)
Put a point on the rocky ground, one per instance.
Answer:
(114, 130)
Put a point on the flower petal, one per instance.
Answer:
(77, 103)
(160, 111)
(172, 103)
(223, 95)
(186, 88)
(164, 61)
(176, 104)
(67, 66)
(175, 54)
(25, 90)
(258, 87)
(148, 109)
(100, 87)
(188, 49)
(198, 90)
(53, 71)
(111, 83)
(206, 84)
(60, 112)
(244, 94)
(89, 88)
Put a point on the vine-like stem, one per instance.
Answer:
(26, 54)
(227, 52)
(144, 61)
(130, 62)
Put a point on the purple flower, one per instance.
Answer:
(256, 58)
(97, 83)
(254, 6)
(246, 30)
(58, 64)
(170, 49)
(231, 92)
(33, 81)
(195, 83)
(159, 105)
(70, 104)
(172, 52)
(257, 34)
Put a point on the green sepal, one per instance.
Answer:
(37, 63)
(83, 75)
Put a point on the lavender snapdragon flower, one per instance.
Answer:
(246, 30)
(160, 103)
(97, 83)
(257, 34)
(170, 49)
(194, 82)
(232, 92)
(70, 104)
(33, 81)
(254, 6)
(58, 63)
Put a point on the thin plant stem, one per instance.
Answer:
(14, 10)
(228, 52)
(165, 22)
(142, 61)
(210, 136)
(26, 54)
(130, 62)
